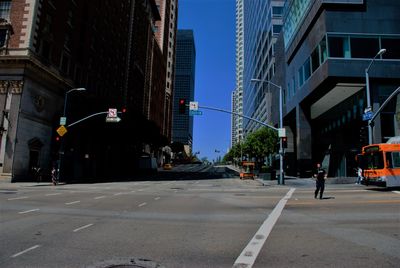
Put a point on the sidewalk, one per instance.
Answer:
(329, 180)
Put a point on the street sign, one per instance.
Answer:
(112, 113)
(63, 121)
(61, 130)
(193, 106)
(192, 112)
(281, 132)
(112, 119)
(368, 116)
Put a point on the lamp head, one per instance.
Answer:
(80, 88)
(383, 50)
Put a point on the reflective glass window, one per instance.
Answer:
(364, 47)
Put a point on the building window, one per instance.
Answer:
(277, 11)
(339, 47)
(364, 47)
(276, 29)
(324, 52)
(5, 7)
(3, 37)
(307, 69)
(392, 46)
(315, 59)
(301, 76)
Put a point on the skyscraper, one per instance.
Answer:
(237, 94)
(258, 26)
(184, 87)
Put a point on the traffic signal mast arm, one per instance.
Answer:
(241, 115)
(383, 105)
(87, 117)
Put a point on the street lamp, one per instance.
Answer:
(61, 151)
(281, 176)
(380, 52)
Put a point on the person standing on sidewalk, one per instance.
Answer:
(320, 176)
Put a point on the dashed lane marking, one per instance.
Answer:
(74, 202)
(100, 197)
(18, 198)
(251, 251)
(157, 198)
(25, 251)
(53, 194)
(143, 204)
(83, 227)
(28, 211)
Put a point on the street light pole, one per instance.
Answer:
(61, 151)
(380, 52)
(281, 175)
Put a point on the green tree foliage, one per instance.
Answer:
(258, 144)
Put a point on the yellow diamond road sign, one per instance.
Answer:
(61, 130)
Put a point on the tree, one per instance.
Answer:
(257, 144)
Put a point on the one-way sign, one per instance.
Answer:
(112, 119)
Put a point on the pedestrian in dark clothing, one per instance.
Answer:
(320, 176)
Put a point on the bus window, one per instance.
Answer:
(395, 159)
(374, 160)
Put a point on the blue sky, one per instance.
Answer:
(213, 24)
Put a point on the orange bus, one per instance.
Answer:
(381, 164)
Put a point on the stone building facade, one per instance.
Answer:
(107, 47)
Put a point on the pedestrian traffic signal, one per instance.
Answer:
(182, 106)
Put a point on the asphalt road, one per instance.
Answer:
(185, 222)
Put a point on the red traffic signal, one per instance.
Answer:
(182, 106)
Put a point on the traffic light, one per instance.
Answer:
(363, 135)
(123, 110)
(182, 106)
(284, 142)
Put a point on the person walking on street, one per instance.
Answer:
(359, 175)
(320, 176)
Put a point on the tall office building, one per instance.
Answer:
(237, 94)
(262, 23)
(166, 36)
(184, 87)
(324, 51)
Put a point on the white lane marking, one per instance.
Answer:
(157, 198)
(53, 194)
(251, 251)
(83, 227)
(32, 210)
(143, 204)
(100, 197)
(25, 251)
(140, 190)
(132, 191)
(74, 202)
(18, 198)
(396, 192)
(118, 194)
